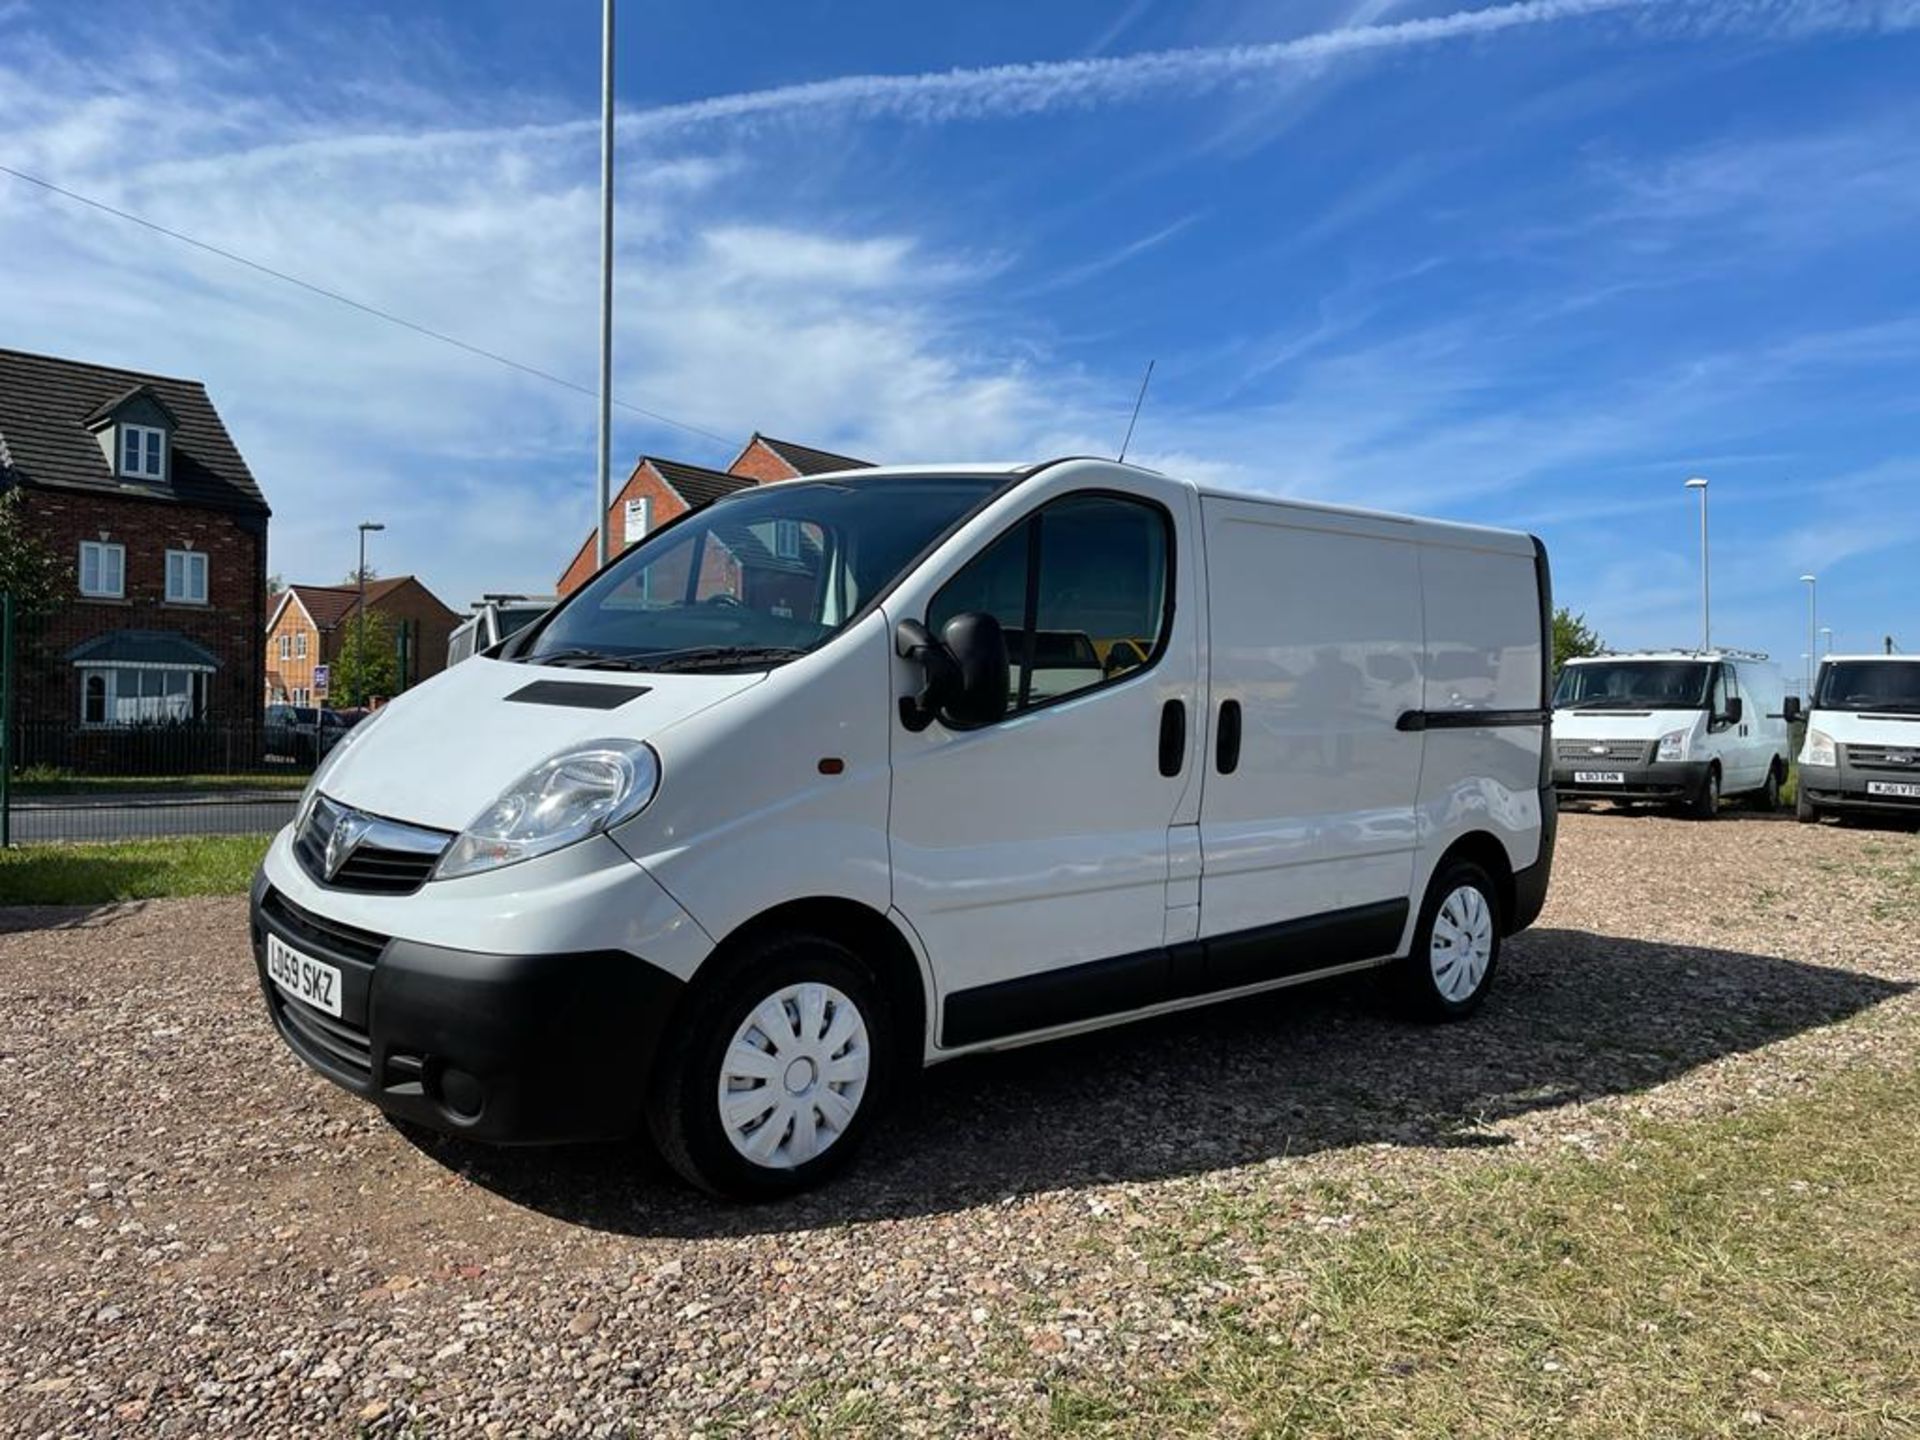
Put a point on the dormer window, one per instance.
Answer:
(143, 452)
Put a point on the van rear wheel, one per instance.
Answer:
(776, 1070)
(1456, 945)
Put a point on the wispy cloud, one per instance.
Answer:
(1113, 259)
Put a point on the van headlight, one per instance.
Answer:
(1820, 749)
(1673, 745)
(566, 797)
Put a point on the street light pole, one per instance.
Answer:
(1706, 608)
(604, 457)
(361, 576)
(1826, 632)
(1812, 583)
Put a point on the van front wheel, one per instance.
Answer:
(1705, 803)
(776, 1070)
(1456, 945)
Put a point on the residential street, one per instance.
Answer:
(199, 1236)
(132, 817)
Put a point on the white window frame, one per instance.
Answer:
(114, 701)
(299, 644)
(786, 539)
(149, 444)
(184, 595)
(642, 506)
(100, 550)
(286, 647)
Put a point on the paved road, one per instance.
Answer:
(129, 817)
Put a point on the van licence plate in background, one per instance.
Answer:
(1899, 789)
(312, 981)
(1599, 777)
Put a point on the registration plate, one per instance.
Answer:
(313, 981)
(1899, 789)
(1599, 777)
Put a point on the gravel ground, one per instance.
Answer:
(197, 1236)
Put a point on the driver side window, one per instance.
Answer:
(1080, 587)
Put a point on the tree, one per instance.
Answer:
(355, 576)
(1573, 637)
(368, 663)
(30, 569)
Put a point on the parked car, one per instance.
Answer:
(304, 733)
(734, 840)
(493, 620)
(1675, 727)
(1862, 752)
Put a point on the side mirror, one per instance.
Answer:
(1734, 711)
(1790, 711)
(965, 672)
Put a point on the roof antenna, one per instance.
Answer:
(1138, 400)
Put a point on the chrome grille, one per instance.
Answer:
(1895, 759)
(1580, 752)
(385, 858)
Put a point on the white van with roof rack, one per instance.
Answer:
(835, 778)
(1673, 727)
(1862, 753)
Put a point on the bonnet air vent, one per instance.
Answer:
(578, 694)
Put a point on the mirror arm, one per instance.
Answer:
(913, 641)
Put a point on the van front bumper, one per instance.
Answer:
(1843, 787)
(509, 1049)
(1665, 780)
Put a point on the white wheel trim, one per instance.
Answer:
(1462, 943)
(793, 1075)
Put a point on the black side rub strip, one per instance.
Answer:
(1470, 719)
(1196, 967)
(578, 694)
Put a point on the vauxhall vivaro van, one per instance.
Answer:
(1862, 752)
(1675, 727)
(839, 777)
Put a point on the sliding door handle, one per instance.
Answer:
(1226, 750)
(1173, 737)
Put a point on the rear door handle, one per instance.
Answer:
(1226, 750)
(1173, 737)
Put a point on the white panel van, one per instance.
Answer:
(1674, 727)
(1862, 752)
(836, 778)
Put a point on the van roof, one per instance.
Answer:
(1750, 656)
(1909, 659)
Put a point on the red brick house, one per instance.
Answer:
(134, 481)
(659, 490)
(310, 624)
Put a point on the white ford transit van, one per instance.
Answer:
(1862, 751)
(835, 778)
(1677, 727)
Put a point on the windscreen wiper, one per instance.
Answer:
(701, 657)
(582, 659)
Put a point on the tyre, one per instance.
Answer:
(1767, 798)
(1705, 803)
(1456, 945)
(1804, 810)
(775, 1071)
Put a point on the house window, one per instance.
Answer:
(286, 647)
(143, 452)
(300, 646)
(141, 695)
(786, 539)
(187, 577)
(638, 515)
(103, 569)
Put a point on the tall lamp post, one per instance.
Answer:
(604, 451)
(1826, 640)
(1706, 608)
(1812, 582)
(361, 576)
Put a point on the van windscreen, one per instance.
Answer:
(1885, 685)
(1633, 685)
(759, 577)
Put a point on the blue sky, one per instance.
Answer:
(1531, 264)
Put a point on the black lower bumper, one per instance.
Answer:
(511, 1049)
(1668, 782)
(1530, 884)
(1843, 788)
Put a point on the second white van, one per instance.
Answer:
(840, 777)
(1673, 727)
(1862, 752)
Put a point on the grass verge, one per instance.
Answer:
(1746, 1274)
(129, 870)
(29, 786)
